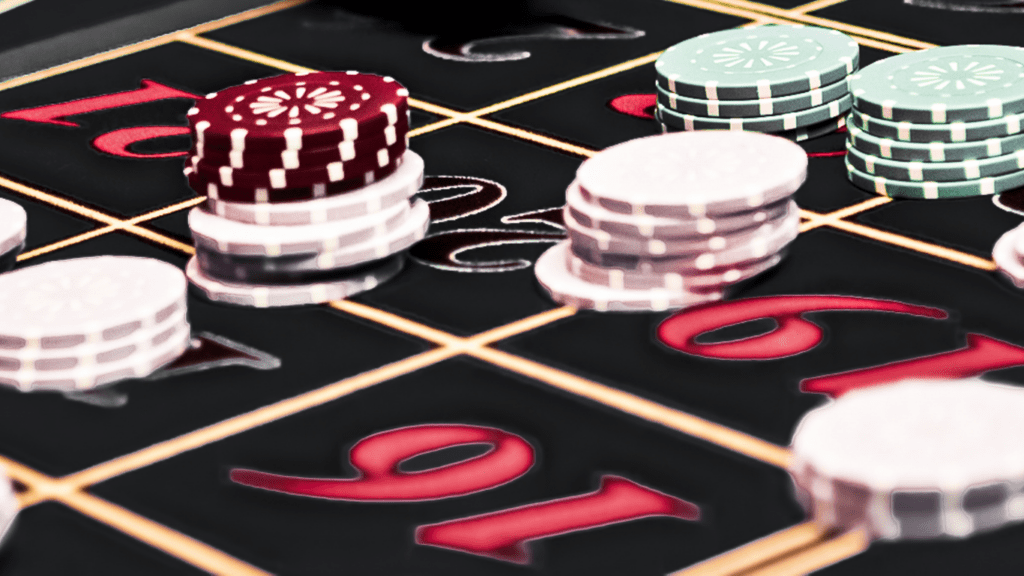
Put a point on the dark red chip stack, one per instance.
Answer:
(289, 147)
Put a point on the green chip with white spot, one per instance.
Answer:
(953, 132)
(752, 63)
(942, 85)
(934, 190)
(933, 151)
(778, 123)
(917, 171)
(752, 108)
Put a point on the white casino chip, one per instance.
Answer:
(918, 459)
(86, 300)
(692, 174)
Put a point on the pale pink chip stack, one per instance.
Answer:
(671, 221)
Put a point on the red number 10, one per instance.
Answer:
(503, 534)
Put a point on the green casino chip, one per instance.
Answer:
(779, 123)
(952, 132)
(935, 171)
(799, 135)
(934, 151)
(942, 85)
(934, 190)
(752, 63)
(751, 108)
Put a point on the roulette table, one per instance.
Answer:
(455, 420)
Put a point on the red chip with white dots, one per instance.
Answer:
(297, 111)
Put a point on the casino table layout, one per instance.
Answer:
(455, 420)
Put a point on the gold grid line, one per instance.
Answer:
(476, 346)
(796, 16)
(43, 487)
(815, 6)
(817, 556)
(147, 44)
(756, 553)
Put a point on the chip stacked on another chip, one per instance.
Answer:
(939, 123)
(914, 460)
(671, 221)
(13, 230)
(309, 187)
(784, 80)
(73, 325)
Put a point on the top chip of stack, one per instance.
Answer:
(297, 136)
(784, 80)
(671, 221)
(939, 123)
(914, 460)
(308, 182)
(72, 325)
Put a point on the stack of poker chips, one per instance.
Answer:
(73, 325)
(13, 229)
(672, 221)
(939, 123)
(922, 459)
(784, 80)
(309, 187)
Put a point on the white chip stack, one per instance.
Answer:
(308, 251)
(73, 325)
(915, 460)
(671, 221)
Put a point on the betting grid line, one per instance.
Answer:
(79, 238)
(756, 553)
(800, 18)
(147, 44)
(817, 556)
(45, 488)
(491, 125)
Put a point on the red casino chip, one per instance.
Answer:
(297, 111)
(212, 188)
(364, 150)
(277, 178)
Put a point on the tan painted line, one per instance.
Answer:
(241, 53)
(432, 127)
(8, 5)
(256, 57)
(520, 326)
(641, 407)
(59, 202)
(161, 537)
(79, 238)
(144, 45)
(397, 322)
(250, 420)
(731, 10)
(915, 245)
(817, 21)
(27, 476)
(93, 214)
(817, 557)
(814, 6)
(532, 137)
(858, 208)
(245, 16)
(578, 81)
(29, 499)
(66, 243)
(757, 552)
